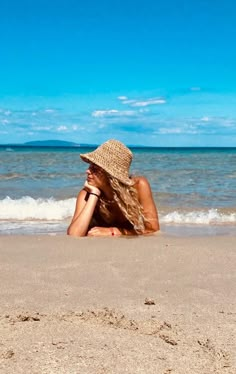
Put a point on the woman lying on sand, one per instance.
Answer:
(112, 203)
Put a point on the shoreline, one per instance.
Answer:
(155, 303)
(29, 228)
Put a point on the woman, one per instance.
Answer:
(112, 203)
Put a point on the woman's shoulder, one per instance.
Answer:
(144, 192)
(140, 181)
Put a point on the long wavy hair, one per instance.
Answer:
(126, 197)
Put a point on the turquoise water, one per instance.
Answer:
(191, 186)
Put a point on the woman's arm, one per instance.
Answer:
(83, 212)
(149, 208)
(110, 231)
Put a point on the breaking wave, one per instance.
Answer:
(202, 217)
(30, 209)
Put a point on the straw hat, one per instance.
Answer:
(113, 157)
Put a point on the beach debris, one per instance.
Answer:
(109, 317)
(167, 339)
(149, 301)
(59, 345)
(8, 354)
(117, 320)
(217, 354)
(25, 318)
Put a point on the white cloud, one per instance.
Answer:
(122, 97)
(62, 128)
(205, 119)
(217, 122)
(113, 113)
(49, 110)
(42, 128)
(176, 130)
(143, 110)
(102, 113)
(144, 103)
(136, 114)
(227, 122)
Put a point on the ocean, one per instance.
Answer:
(194, 188)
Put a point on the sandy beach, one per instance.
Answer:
(155, 304)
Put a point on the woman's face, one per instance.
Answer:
(96, 176)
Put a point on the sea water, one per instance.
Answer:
(194, 188)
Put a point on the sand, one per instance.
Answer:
(155, 304)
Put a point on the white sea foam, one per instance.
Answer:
(30, 209)
(211, 216)
(27, 208)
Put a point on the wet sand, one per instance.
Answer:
(155, 304)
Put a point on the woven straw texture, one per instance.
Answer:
(113, 157)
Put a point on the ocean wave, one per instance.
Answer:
(41, 176)
(202, 217)
(9, 176)
(30, 209)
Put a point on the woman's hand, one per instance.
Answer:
(104, 231)
(90, 188)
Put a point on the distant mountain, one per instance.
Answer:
(51, 143)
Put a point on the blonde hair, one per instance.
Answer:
(126, 198)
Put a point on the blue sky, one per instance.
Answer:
(159, 73)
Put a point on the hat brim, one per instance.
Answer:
(91, 158)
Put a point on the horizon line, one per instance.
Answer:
(90, 145)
